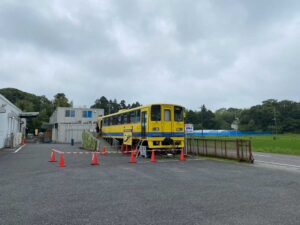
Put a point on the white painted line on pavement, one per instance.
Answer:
(19, 149)
(263, 155)
(278, 164)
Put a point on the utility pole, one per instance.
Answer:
(202, 110)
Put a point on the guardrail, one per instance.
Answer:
(228, 149)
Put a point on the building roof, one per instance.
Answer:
(79, 108)
(9, 103)
(29, 114)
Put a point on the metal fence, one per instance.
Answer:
(229, 149)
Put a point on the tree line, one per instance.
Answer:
(271, 115)
(112, 106)
(28, 102)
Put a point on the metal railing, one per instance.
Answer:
(228, 149)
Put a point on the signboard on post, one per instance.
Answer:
(189, 128)
(127, 137)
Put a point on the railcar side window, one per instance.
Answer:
(127, 116)
(178, 114)
(138, 116)
(156, 113)
(115, 120)
(132, 117)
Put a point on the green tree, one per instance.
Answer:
(25, 105)
(101, 103)
(60, 100)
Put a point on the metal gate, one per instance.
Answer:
(229, 149)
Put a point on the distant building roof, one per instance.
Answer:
(10, 103)
(29, 114)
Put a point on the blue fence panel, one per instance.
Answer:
(227, 134)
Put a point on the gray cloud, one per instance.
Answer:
(222, 54)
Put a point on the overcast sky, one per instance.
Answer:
(231, 53)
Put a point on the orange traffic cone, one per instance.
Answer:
(104, 151)
(182, 155)
(53, 157)
(153, 158)
(133, 159)
(62, 160)
(95, 159)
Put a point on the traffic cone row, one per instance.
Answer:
(95, 157)
(61, 160)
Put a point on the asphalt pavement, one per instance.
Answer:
(34, 191)
(277, 160)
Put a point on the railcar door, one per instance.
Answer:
(167, 124)
(144, 122)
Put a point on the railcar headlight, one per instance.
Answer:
(179, 129)
(155, 129)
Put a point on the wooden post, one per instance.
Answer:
(215, 147)
(237, 149)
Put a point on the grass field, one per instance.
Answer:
(288, 144)
(282, 144)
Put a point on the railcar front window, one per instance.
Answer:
(178, 114)
(167, 115)
(156, 113)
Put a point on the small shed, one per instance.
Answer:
(69, 123)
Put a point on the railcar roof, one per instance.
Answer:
(133, 109)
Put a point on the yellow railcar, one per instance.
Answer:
(157, 126)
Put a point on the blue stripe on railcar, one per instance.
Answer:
(150, 134)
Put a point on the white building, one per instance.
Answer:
(11, 124)
(69, 123)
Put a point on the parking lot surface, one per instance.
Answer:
(34, 191)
